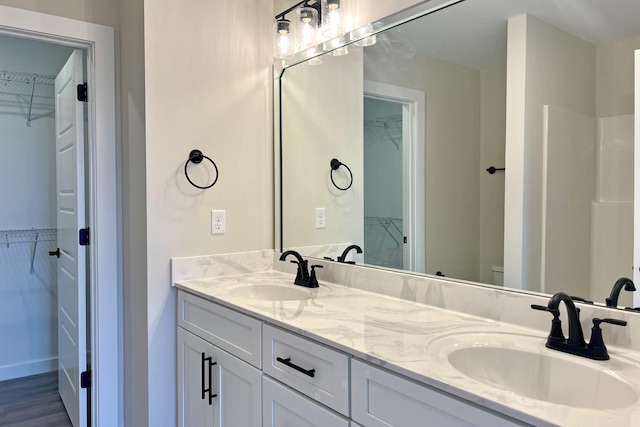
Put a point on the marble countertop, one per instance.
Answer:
(414, 339)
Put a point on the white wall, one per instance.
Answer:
(207, 86)
(105, 12)
(28, 302)
(569, 187)
(493, 84)
(545, 66)
(452, 191)
(614, 84)
(612, 208)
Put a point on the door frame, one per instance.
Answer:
(105, 278)
(413, 166)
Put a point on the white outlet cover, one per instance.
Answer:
(321, 218)
(218, 222)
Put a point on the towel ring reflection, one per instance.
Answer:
(335, 164)
(196, 157)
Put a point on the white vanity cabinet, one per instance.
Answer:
(216, 388)
(235, 370)
(381, 399)
(283, 407)
(313, 369)
(304, 366)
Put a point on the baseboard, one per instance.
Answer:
(32, 367)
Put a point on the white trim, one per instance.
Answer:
(414, 105)
(636, 179)
(105, 281)
(28, 368)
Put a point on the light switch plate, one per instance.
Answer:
(218, 222)
(321, 219)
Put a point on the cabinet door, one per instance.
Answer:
(239, 389)
(194, 368)
(383, 399)
(284, 407)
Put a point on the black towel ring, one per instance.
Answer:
(335, 164)
(196, 156)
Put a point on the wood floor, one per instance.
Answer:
(32, 402)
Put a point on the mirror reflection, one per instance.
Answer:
(542, 92)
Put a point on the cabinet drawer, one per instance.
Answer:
(284, 407)
(233, 332)
(382, 399)
(327, 376)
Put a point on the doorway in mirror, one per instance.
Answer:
(394, 120)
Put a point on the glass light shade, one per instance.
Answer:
(332, 18)
(367, 41)
(337, 46)
(363, 36)
(313, 60)
(282, 42)
(307, 28)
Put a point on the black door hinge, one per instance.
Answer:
(82, 92)
(85, 379)
(405, 239)
(83, 237)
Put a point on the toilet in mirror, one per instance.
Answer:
(484, 141)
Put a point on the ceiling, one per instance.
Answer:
(474, 33)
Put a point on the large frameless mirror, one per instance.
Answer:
(489, 142)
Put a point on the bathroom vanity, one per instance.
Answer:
(340, 356)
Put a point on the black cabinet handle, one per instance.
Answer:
(209, 361)
(55, 253)
(287, 361)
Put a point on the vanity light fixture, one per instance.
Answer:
(282, 42)
(306, 26)
(316, 20)
(333, 18)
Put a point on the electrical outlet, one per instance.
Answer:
(218, 222)
(321, 219)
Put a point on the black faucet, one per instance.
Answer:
(342, 258)
(628, 285)
(303, 278)
(575, 344)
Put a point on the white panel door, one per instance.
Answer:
(239, 389)
(72, 341)
(195, 377)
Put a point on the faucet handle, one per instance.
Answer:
(553, 311)
(580, 299)
(313, 280)
(556, 325)
(299, 271)
(596, 343)
(596, 322)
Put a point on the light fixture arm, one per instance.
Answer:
(315, 4)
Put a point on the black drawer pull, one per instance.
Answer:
(287, 361)
(211, 363)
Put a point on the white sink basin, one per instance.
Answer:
(272, 292)
(522, 365)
